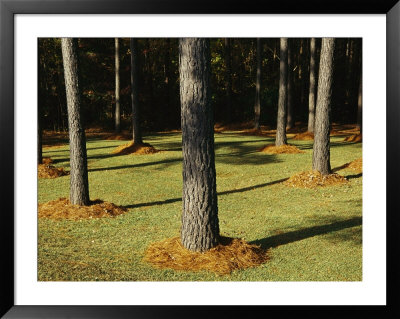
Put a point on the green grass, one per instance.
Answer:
(312, 234)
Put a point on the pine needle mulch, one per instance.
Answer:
(282, 149)
(355, 166)
(229, 255)
(62, 209)
(305, 136)
(47, 160)
(49, 171)
(355, 138)
(312, 179)
(123, 136)
(132, 148)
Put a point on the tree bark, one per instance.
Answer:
(290, 115)
(359, 105)
(117, 89)
(79, 185)
(321, 149)
(200, 226)
(228, 80)
(41, 99)
(257, 104)
(136, 131)
(167, 74)
(311, 94)
(282, 102)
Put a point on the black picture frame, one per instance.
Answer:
(9, 8)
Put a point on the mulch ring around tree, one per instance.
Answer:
(355, 166)
(282, 149)
(62, 209)
(305, 136)
(229, 255)
(355, 138)
(46, 170)
(132, 148)
(312, 179)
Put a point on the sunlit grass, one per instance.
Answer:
(312, 234)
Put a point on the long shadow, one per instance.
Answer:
(354, 176)
(233, 191)
(290, 237)
(168, 161)
(332, 144)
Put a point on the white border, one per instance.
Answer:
(372, 290)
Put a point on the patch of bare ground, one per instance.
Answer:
(312, 179)
(229, 255)
(62, 209)
(49, 171)
(282, 149)
(132, 148)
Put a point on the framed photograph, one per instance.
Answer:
(36, 281)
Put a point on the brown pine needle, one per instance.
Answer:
(229, 255)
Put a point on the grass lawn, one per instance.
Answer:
(312, 234)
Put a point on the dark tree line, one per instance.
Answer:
(234, 69)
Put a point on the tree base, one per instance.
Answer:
(229, 255)
(132, 148)
(62, 209)
(312, 179)
(282, 149)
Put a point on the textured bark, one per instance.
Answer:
(41, 98)
(321, 149)
(200, 227)
(311, 94)
(79, 185)
(117, 89)
(228, 80)
(257, 103)
(359, 105)
(167, 74)
(290, 115)
(136, 131)
(282, 102)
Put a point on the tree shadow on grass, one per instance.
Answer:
(304, 233)
(233, 191)
(309, 146)
(354, 176)
(163, 162)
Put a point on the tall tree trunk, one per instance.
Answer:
(257, 104)
(79, 185)
(282, 102)
(290, 115)
(41, 100)
(117, 89)
(321, 149)
(136, 131)
(200, 226)
(228, 80)
(311, 94)
(359, 105)
(301, 73)
(167, 74)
